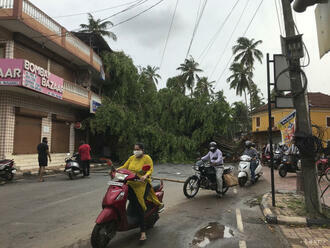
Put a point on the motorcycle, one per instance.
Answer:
(290, 163)
(322, 165)
(278, 154)
(7, 169)
(244, 171)
(72, 166)
(115, 216)
(205, 178)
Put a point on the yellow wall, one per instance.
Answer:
(318, 117)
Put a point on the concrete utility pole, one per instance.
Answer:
(303, 131)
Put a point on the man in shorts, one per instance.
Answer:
(43, 152)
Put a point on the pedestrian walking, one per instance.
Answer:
(85, 157)
(43, 152)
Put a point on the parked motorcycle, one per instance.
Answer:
(322, 165)
(278, 154)
(290, 163)
(7, 169)
(244, 171)
(72, 166)
(114, 216)
(205, 178)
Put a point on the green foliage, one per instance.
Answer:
(173, 126)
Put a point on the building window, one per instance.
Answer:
(2, 51)
(257, 121)
(328, 121)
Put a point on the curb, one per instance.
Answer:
(272, 218)
(55, 170)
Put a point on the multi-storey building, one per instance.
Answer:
(45, 84)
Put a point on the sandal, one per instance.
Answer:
(143, 237)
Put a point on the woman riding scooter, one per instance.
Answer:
(141, 189)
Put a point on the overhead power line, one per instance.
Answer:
(247, 28)
(169, 33)
(57, 36)
(85, 13)
(230, 37)
(196, 27)
(128, 19)
(278, 18)
(215, 36)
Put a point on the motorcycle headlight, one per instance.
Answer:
(196, 167)
(120, 176)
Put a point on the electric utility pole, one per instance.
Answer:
(303, 133)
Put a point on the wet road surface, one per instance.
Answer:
(61, 213)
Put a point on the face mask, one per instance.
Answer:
(138, 153)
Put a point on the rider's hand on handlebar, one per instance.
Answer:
(143, 178)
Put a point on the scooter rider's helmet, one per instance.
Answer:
(248, 144)
(213, 146)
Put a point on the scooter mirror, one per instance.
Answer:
(146, 167)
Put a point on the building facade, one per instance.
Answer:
(319, 106)
(45, 84)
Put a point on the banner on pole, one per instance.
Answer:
(287, 127)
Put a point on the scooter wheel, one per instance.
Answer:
(71, 176)
(102, 234)
(282, 172)
(242, 181)
(9, 176)
(191, 186)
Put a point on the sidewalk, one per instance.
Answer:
(297, 236)
(289, 183)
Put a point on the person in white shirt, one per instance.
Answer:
(215, 157)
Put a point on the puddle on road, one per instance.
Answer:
(213, 231)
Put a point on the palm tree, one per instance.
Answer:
(98, 27)
(246, 52)
(151, 73)
(240, 79)
(189, 69)
(203, 87)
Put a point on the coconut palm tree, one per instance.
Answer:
(98, 27)
(189, 69)
(240, 79)
(151, 73)
(203, 87)
(246, 52)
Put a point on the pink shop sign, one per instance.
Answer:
(20, 72)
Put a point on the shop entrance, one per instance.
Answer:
(60, 137)
(27, 134)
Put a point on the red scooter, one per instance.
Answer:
(115, 216)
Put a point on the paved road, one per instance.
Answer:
(61, 213)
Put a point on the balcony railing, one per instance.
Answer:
(83, 50)
(76, 89)
(7, 4)
(41, 17)
(78, 44)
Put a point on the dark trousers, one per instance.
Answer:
(253, 167)
(85, 164)
(136, 205)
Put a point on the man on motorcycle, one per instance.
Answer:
(215, 157)
(251, 152)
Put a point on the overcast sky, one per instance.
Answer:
(143, 38)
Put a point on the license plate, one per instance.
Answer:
(115, 183)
